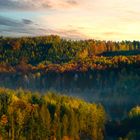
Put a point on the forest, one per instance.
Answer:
(32, 116)
(25, 115)
(54, 49)
(52, 53)
(53, 88)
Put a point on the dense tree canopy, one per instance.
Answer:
(114, 66)
(24, 115)
(52, 53)
(128, 128)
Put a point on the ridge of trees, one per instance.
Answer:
(31, 116)
(52, 53)
(84, 65)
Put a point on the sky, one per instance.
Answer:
(75, 19)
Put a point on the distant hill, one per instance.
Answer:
(53, 53)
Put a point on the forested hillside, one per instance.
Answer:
(52, 53)
(31, 116)
(28, 116)
(57, 50)
(34, 71)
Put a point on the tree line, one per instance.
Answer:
(53, 49)
(52, 53)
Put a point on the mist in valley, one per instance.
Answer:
(117, 91)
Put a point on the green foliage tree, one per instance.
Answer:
(34, 117)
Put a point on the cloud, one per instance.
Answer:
(70, 33)
(27, 21)
(26, 27)
(72, 2)
(6, 21)
(112, 33)
(24, 4)
(12, 26)
(9, 22)
(30, 5)
(104, 19)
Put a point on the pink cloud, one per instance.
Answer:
(36, 4)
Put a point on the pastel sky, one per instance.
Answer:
(76, 19)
